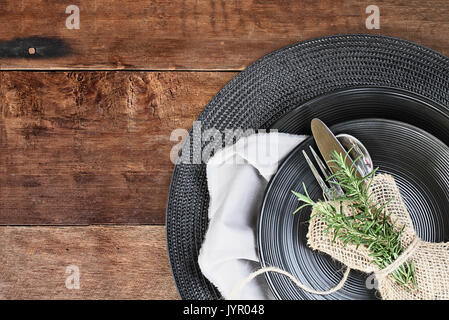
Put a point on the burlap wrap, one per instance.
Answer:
(431, 260)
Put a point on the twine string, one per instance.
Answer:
(292, 278)
(380, 275)
(403, 257)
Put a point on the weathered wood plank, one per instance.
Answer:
(93, 147)
(195, 35)
(126, 262)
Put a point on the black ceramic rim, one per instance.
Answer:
(417, 160)
(270, 88)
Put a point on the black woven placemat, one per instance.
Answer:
(273, 86)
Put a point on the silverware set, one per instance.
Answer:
(343, 143)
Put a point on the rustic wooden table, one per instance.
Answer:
(85, 137)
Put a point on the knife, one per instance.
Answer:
(328, 143)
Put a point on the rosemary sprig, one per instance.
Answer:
(366, 224)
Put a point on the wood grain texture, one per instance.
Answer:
(80, 148)
(93, 147)
(196, 35)
(126, 262)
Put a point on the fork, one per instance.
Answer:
(330, 192)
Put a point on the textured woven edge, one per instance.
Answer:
(270, 88)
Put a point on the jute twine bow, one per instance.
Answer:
(380, 275)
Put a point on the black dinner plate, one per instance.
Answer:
(418, 161)
(369, 102)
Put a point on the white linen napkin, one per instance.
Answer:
(237, 176)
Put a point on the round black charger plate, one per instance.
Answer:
(274, 86)
(417, 160)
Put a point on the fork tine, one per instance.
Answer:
(326, 172)
(320, 163)
(319, 179)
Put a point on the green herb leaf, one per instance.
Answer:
(365, 223)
